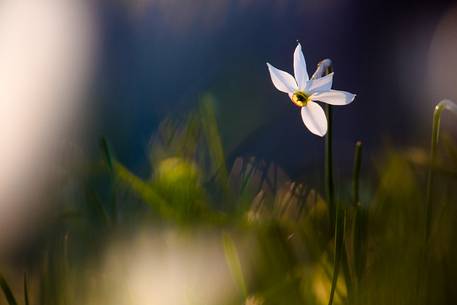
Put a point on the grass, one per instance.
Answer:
(273, 231)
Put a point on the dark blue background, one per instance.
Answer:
(158, 60)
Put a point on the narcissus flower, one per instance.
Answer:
(304, 92)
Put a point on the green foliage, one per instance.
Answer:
(273, 231)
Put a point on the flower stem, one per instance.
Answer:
(339, 251)
(324, 68)
(337, 214)
(330, 186)
(439, 108)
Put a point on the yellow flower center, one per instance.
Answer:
(300, 98)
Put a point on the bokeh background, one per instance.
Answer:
(74, 71)
(86, 84)
(159, 57)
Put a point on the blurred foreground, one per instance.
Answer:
(195, 232)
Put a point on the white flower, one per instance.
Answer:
(304, 92)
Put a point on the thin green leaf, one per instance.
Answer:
(7, 291)
(106, 152)
(26, 290)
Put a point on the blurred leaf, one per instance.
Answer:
(234, 264)
(106, 152)
(144, 190)
(7, 291)
(213, 140)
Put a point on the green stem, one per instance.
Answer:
(339, 251)
(337, 215)
(325, 68)
(439, 108)
(329, 184)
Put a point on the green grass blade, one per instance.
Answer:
(356, 173)
(7, 291)
(234, 264)
(110, 161)
(440, 107)
(358, 225)
(106, 152)
(144, 190)
(26, 290)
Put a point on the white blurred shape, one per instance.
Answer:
(45, 52)
(166, 269)
(442, 76)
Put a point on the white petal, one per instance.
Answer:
(314, 118)
(283, 81)
(301, 75)
(319, 84)
(333, 97)
(321, 67)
